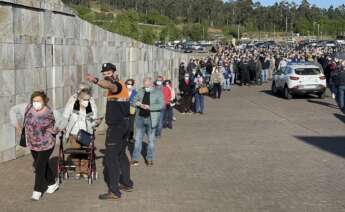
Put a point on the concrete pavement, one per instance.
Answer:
(251, 151)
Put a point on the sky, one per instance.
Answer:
(319, 3)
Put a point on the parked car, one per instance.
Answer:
(188, 49)
(299, 78)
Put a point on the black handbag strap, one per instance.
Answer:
(25, 114)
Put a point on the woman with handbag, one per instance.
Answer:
(80, 117)
(38, 134)
(199, 96)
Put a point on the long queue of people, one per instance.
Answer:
(231, 65)
(133, 114)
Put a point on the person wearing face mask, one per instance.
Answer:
(116, 163)
(169, 97)
(217, 80)
(149, 102)
(186, 88)
(40, 131)
(159, 85)
(199, 98)
(132, 94)
(80, 114)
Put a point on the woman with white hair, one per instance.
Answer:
(80, 114)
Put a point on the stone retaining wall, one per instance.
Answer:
(44, 46)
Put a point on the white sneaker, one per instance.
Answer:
(333, 96)
(52, 188)
(36, 195)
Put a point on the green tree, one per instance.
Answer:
(148, 36)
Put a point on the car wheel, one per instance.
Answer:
(287, 93)
(321, 95)
(274, 89)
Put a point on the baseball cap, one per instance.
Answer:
(108, 66)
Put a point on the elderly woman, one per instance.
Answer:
(40, 134)
(80, 114)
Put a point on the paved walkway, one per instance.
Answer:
(250, 152)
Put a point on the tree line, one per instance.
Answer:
(283, 16)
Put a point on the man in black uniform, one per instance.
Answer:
(116, 163)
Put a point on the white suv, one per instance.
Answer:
(299, 78)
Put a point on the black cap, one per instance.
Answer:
(108, 66)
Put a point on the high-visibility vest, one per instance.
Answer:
(122, 96)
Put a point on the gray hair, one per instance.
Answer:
(83, 86)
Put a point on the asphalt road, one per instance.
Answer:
(250, 151)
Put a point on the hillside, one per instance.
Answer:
(168, 20)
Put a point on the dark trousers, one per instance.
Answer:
(131, 126)
(245, 77)
(44, 175)
(116, 163)
(168, 117)
(186, 103)
(217, 90)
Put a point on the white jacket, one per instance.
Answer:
(74, 120)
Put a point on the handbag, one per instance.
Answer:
(84, 138)
(22, 141)
(203, 90)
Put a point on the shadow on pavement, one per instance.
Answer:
(327, 104)
(332, 144)
(295, 96)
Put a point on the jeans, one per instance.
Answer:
(199, 103)
(341, 96)
(264, 75)
(207, 78)
(160, 124)
(144, 126)
(43, 171)
(168, 117)
(227, 84)
(116, 163)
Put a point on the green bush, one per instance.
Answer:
(81, 10)
(148, 36)
(104, 16)
(126, 24)
(170, 33)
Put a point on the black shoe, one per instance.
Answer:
(126, 188)
(108, 196)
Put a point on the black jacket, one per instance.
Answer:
(339, 78)
(186, 89)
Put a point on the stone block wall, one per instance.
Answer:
(44, 46)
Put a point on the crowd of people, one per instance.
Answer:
(133, 113)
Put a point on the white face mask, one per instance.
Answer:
(84, 103)
(186, 78)
(37, 105)
(159, 82)
(147, 89)
(129, 87)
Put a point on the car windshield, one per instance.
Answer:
(307, 71)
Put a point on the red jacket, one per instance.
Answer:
(167, 95)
